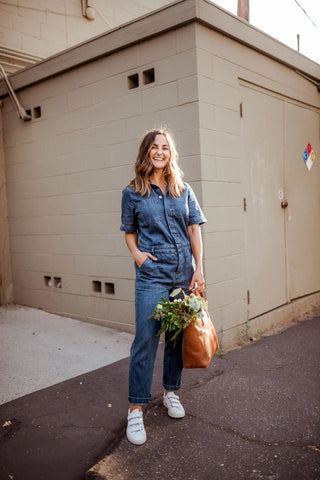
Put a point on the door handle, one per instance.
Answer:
(284, 204)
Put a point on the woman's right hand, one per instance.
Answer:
(139, 257)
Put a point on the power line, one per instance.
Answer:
(307, 14)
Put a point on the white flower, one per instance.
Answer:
(195, 304)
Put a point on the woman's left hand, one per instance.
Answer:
(197, 278)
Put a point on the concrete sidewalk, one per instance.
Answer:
(39, 349)
(254, 414)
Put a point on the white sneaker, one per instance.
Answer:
(172, 402)
(136, 433)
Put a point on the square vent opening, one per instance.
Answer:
(109, 288)
(133, 81)
(148, 76)
(96, 286)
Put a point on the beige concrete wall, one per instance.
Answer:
(222, 174)
(31, 28)
(67, 167)
(223, 65)
(66, 170)
(6, 286)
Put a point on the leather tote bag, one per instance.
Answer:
(200, 342)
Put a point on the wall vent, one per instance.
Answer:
(133, 81)
(148, 76)
(109, 288)
(96, 286)
(37, 112)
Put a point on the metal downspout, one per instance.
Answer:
(20, 110)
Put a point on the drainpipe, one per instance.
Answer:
(20, 110)
(243, 9)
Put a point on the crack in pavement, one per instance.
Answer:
(238, 434)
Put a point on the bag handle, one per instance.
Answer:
(195, 288)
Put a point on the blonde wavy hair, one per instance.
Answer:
(143, 166)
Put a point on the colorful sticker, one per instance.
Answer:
(308, 148)
(309, 156)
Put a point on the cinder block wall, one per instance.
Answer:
(67, 167)
(222, 177)
(223, 65)
(6, 293)
(46, 27)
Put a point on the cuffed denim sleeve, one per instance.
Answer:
(195, 213)
(128, 214)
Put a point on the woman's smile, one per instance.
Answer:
(160, 152)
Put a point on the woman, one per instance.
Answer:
(161, 219)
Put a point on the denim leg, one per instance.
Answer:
(145, 344)
(172, 363)
(174, 268)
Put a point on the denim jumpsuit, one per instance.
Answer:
(162, 224)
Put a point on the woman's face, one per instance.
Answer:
(160, 152)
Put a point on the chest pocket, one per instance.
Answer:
(179, 209)
(150, 210)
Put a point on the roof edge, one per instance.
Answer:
(242, 31)
(147, 26)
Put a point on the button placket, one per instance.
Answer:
(172, 221)
(166, 204)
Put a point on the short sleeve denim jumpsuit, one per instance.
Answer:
(162, 224)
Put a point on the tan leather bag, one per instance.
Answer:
(200, 342)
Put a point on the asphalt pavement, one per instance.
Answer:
(253, 414)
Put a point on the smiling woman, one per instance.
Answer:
(160, 156)
(157, 144)
(161, 219)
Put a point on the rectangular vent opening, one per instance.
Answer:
(47, 281)
(109, 288)
(57, 282)
(37, 112)
(148, 76)
(96, 286)
(133, 81)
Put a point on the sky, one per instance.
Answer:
(283, 20)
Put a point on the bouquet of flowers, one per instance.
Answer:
(175, 316)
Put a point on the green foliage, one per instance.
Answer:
(175, 316)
